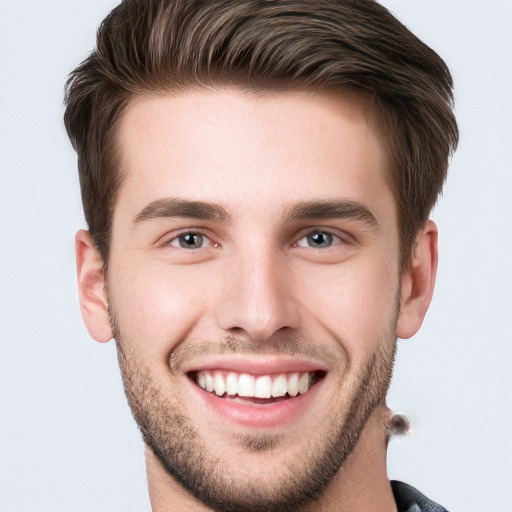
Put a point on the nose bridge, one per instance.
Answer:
(259, 298)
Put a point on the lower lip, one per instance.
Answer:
(254, 415)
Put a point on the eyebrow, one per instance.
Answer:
(331, 209)
(303, 210)
(174, 207)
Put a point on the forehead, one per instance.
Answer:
(250, 150)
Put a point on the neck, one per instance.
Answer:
(361, 484)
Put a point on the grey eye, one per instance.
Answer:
(319, 240)
(190, 241)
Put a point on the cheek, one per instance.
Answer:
(156, 306)
(356, 303)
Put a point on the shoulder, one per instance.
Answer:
(409, 499)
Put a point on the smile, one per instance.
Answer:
(257, 393)
(246, 385)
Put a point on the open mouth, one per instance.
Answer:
(267, 388)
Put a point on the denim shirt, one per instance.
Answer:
(408, 499)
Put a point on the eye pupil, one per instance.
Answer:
(320, 240)
(191, 241)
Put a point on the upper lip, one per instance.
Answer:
(256, 365)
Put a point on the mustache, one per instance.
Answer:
(278, 345)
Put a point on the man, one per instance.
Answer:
(257, 178)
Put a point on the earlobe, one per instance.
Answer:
(91, 288)
(417, 284)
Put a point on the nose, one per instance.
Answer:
(257, 299)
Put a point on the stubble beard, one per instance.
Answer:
(175, 441)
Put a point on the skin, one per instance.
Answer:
(256, 278)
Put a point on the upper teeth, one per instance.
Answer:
(258, 386)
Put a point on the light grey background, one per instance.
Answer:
(67, 440)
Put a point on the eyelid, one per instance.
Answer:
(168, 238)
(342, 236)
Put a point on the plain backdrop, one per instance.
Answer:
(67, 439)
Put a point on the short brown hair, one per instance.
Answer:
(172, 45)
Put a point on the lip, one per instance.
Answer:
(256, 365)
(251, 415)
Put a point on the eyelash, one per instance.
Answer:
(194, 232)
(335, 239)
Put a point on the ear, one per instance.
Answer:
(91, 288)
(417, 284)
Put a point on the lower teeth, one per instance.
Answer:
(256, 400)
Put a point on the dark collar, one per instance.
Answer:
(409, 499)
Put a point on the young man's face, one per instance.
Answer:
(254, 252)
